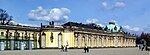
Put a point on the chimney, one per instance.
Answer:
(41, 25)
(50, 23)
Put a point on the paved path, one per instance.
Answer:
(100, 51)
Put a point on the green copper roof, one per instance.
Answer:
(113, 28)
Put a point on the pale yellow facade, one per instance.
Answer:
(74, 39)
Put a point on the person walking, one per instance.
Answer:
(144, 43)
(86, 49)
(66, 49)
(62, 48)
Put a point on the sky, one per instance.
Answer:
(132, 15)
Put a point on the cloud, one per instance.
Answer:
(29, 25)
(101, 25)
(147, 29)
(116, 5)
(15, 23)
(92, 20)
(127, 27)
(105, 5)
(55, 14)
(119, 5)
(132, 28)
(113, 21)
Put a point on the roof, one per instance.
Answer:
(113, 28)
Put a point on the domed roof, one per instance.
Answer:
(111, 22)
(112, 27)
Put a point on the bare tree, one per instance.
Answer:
(4, 17)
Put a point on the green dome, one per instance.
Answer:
(113, 28)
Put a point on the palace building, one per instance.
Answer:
(75, 35)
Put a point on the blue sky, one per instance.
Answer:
(133, 15)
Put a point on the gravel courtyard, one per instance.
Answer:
(100, 51)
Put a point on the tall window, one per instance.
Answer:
(32, 36)
(18, 34)
(29, 36)
(22, 35)
(10, 34)
(2, 33)
(25, 35)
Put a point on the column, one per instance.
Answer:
(102, 41)
(85, 41)
(59, 40)
(12, 44)
(38, 40)
(112, 41)
(121, 42)
(22, 42)
(134, 42)
(76, 41)
(91, 41)
(116, 41)
(2, 45)
(30, 43)
(18, 44)
(109, 41)
(106, 41)
(43, 41)
(125, 42)
(79, 41)
(97, 41)
(6, 40)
